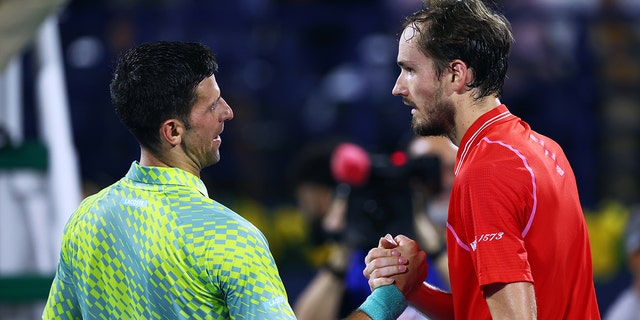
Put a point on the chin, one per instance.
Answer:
(215, 158)
(428, 130)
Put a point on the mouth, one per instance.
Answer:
(218, 138)
(414, 110)
(408, 102)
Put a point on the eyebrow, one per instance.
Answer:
(404, 64)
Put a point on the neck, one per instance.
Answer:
(147, 158)
(468, 111)
(150, 159)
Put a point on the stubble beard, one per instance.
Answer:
(202, 158)
(439, 121)
(212, 157)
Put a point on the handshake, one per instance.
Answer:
(397, 261)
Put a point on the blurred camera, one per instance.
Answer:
(380, 198)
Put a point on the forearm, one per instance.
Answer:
(321, 298)
(433, 302)
(358, 315)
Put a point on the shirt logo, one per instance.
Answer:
(487, 237)
(134, 202)
(276, 301)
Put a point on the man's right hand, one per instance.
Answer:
(396, 260)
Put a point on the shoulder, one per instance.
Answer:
(494, 159)
(89, 204)
(498, 170)
(219, 223)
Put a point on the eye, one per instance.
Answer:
(406, 69)
(215, 104)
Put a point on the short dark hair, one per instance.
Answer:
(157, 81)
(467, 30)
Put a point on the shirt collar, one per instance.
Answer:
(476, 131)
(165, 176)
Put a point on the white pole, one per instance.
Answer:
(14, 247)
(11, 107)
(56, 131)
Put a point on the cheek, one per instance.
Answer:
(208, 129)
(423, 91)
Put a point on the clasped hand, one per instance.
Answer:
(396, 261)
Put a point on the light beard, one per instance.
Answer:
(440, 121)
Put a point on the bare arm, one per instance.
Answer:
(358, 315)
(515, 300)
(321, 298)
(506, 301)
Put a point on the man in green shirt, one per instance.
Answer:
(153, 244)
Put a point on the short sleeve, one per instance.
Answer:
(496, 203)
(249, 276)
(62, 302)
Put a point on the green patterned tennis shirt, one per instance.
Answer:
(155, 246)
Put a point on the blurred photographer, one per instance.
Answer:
(323, 202)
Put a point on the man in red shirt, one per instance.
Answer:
(517, 241)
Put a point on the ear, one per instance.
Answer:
(171, 131)
(460, 75)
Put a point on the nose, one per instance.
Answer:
(398, 88)
(228, 115)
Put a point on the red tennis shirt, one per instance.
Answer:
(515, 216)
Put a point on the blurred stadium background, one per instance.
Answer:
(297, 71)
